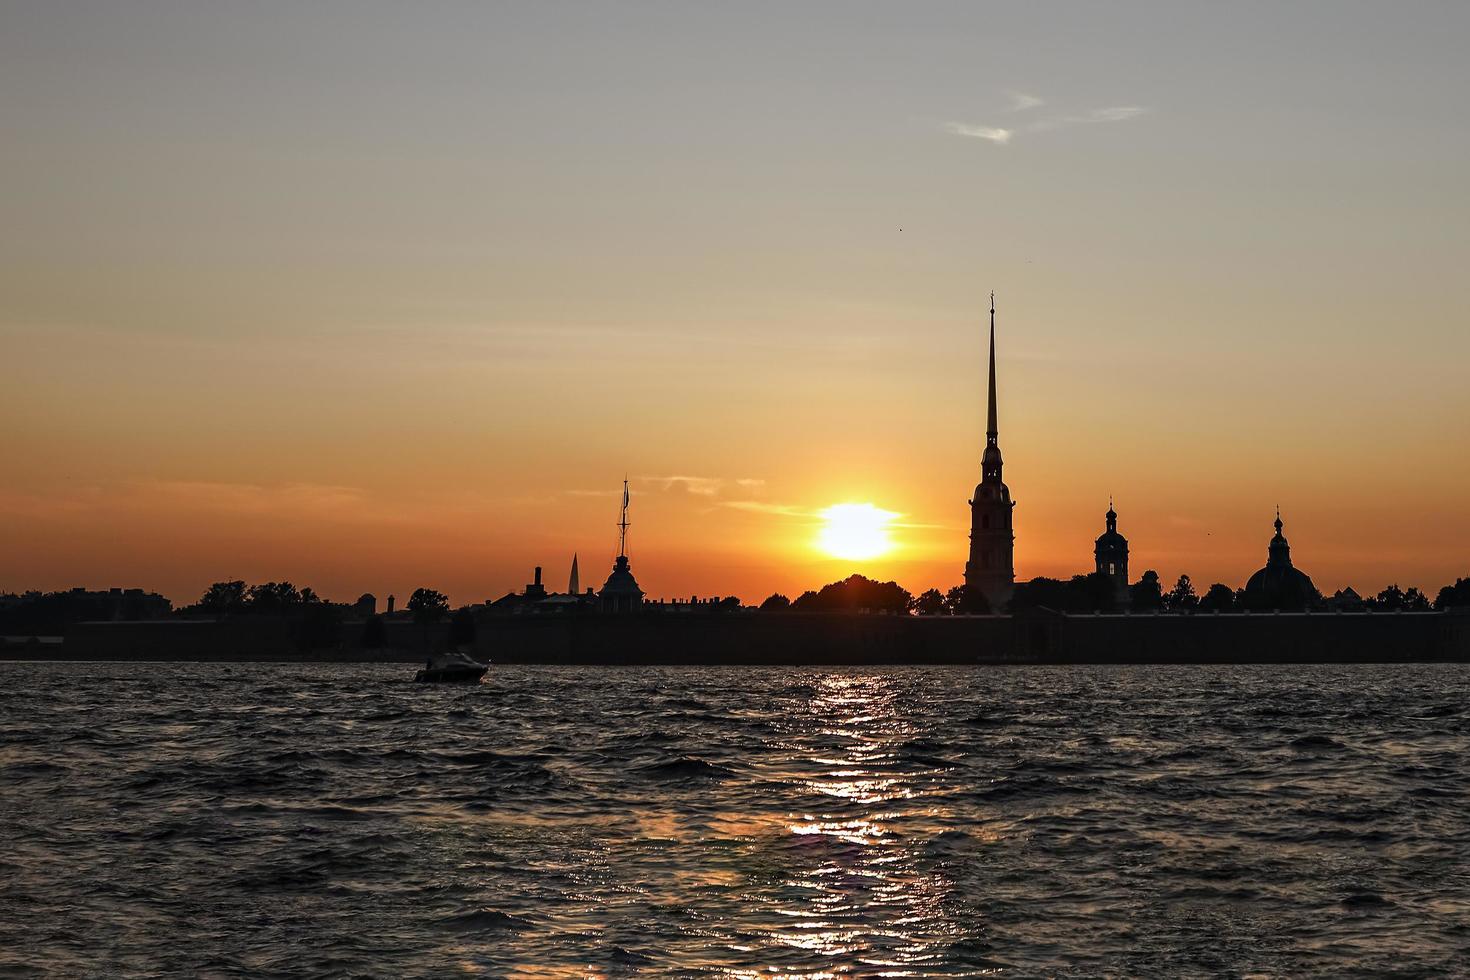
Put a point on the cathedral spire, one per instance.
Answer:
(991, 570)
(991, 430)
(990, 461)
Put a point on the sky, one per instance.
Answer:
(370, 296)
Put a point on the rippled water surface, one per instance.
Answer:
(267, 819)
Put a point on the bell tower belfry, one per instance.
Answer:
(991, 568)
(1111, 554)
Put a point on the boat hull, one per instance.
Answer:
(450, 675)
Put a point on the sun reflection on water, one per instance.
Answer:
(855, 895)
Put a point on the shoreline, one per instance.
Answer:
(815, 639)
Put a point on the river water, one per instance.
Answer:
(255, 820)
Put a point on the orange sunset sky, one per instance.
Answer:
(371, 296)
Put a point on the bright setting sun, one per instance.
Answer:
(855, 531)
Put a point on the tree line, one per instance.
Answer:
(1083, 594)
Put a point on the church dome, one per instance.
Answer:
(621, 581)
(1111, 538)
(1280, 585)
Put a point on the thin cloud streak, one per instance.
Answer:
(1021, 101)
(1003, 136)
(1116, 113)
(762, 507)
(703, 486)
(993, 133)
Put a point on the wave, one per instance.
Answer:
(484, 920)
(685, 768)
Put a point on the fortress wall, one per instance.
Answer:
(813, 638)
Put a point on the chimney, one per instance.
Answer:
(538, 574)
(390, 605)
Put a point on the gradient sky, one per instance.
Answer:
(376, 295)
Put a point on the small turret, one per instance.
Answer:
(620, 593)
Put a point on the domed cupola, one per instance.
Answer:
(620, 593)
(1278, 553)
(1280, 585)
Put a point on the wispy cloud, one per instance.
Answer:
(763, 507)
(1108, 114)
(702, 486)
(698, 486)
(1021, 101)
(993, 133)
(1116, 113)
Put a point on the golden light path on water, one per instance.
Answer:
(863, 873)
(736, 822)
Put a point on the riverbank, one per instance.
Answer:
(805, 638)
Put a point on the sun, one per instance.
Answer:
(855, 531)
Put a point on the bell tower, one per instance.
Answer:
(991, 568)
(1111, 554)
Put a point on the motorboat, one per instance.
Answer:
(453, 667)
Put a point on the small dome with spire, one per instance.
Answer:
(1111, 536)
(1111, 553)
(1280, 585)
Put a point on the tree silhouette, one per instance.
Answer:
(273, 597)
(1095, 592)
(1394, 599)
(1039, 593)
(223, 597)
(776, 602)
(428, 606)
(1079, 594)
(930, 603)
(965, 601)
(1219, 598)
(1389, 600)
(1181, 598)
(1145, 594)
(1452, 596)
(856, 594)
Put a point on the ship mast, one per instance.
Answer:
(623, 523)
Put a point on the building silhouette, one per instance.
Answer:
(574, 585)
(536, 600)
(1111, 555)
(991, 568)
(620, 593)
(1280, 585)
(534, 589)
